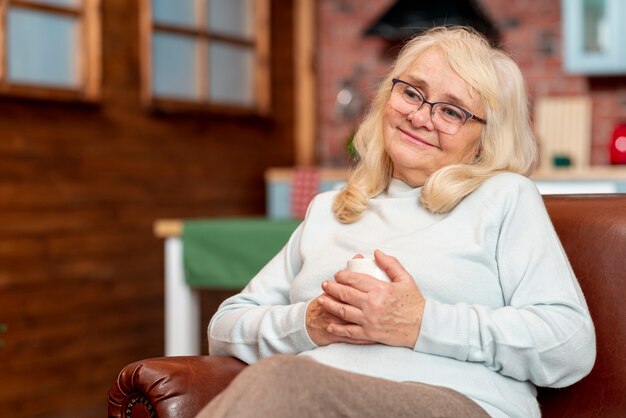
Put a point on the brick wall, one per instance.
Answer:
(523, 23)
(345, 54)
(530, 33)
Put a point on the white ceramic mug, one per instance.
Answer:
(367, 266)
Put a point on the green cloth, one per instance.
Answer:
(227, 253)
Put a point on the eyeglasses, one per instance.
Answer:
(446, 117)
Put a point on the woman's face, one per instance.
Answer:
(416, 148)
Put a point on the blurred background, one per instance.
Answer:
(117, 113)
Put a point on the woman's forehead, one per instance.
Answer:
(432, 72)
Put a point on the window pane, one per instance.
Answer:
(230, 74)
(70, 3)
(176, 12)
(595, 26)
(233, 17)
(174, 66)
(42, 48)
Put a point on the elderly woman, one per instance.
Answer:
(482, 304)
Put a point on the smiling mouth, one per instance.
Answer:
(414, 139)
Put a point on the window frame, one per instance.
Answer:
(88, 15)
(259, 41)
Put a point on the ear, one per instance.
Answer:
(478, 154)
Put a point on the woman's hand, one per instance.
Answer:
(373, 310)
(318, 321)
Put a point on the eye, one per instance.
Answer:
(412, 95)
(451, 112)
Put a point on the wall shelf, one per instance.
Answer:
(594, 42)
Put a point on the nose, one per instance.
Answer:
(422, 116)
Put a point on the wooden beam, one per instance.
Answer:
(262, 47)
(66, 10)
(305, 77)
(91, 53)
(145, 52)
(204, 34)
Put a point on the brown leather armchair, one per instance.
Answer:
(592, 229)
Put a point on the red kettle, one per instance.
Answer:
(618, 145)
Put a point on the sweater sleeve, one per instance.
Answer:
(261, 321)
(544, 332)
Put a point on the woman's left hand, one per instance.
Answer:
(388, 313)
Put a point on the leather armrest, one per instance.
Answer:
(170, 386)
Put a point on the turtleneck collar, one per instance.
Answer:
(398, 188)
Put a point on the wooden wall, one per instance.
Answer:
(81, 274)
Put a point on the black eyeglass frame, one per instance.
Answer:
(467, 113)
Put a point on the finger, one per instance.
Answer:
(359, 281)
(344, 292)
(330, 317)
(359, 342)
(358, 256)
(341, 310)
(391, 266)
(354, 332)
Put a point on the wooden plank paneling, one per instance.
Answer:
(81, 273)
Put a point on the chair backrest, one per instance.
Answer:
(592, 229)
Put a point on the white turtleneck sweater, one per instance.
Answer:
(503, 311)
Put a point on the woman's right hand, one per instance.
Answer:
(317, 322)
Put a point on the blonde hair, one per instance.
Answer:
(506, 142)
